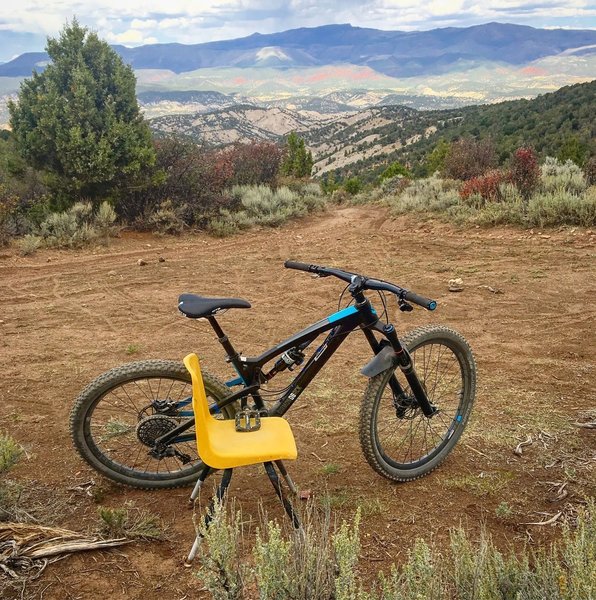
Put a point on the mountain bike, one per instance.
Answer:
(135, 425)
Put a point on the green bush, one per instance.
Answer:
(104, 220)
(395, 169)
(130, 522)
(353, 185)
(220, 567)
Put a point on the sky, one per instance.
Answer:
(25, 25)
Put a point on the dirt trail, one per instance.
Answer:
(67, 316)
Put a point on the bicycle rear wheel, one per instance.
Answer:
(397, 439)
(118, 416)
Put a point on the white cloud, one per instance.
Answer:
(130, 37)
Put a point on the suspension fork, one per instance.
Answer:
(404, 362)
(376, 348)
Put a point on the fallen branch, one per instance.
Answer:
(476, 450)
(586, 425)
(24, 546)
(518, 449)
(550, 521)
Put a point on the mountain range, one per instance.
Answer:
(392, 53)
(338, 70)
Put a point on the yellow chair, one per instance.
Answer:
(221, 446)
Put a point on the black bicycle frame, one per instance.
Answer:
(339, 325)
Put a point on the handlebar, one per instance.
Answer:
(365, 283)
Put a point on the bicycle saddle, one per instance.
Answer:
(195, 307)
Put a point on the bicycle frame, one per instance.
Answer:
(339, 325)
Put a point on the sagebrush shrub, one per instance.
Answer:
(320, 562)
(29, 244)
(262, 205)
(424, 195)
(105, 218)
(166, 220)
(10, 492)
(561, 207)
(556, 175)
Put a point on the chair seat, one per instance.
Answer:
(227, 448)
(220, 446)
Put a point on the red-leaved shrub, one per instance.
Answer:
(486, 186)
(468, 158)
(524, 172)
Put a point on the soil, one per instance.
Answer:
(527, 309)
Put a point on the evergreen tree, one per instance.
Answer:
(436, 159)
(393, 170)
(297, 161)
(573, 149)
(79, 120)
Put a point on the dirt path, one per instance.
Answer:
(67, 316)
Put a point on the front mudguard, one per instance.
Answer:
(382, 361)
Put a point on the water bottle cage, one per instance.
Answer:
(249, 419)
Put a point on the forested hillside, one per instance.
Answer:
(548, 123)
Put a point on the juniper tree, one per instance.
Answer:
(79, 120)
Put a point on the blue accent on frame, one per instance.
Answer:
(432, 305)
(235, 381)
(458, 418)
(346, 312)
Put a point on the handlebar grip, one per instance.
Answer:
(420, 300)
(291, 264)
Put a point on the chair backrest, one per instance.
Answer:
(200, 404)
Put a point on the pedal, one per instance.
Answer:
(248, 420)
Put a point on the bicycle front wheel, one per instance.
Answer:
(398, 440)
(117, 418)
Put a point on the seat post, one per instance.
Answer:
(223, 339)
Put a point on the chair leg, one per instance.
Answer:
(219, 494)
(202, 476)
(280, 494)
(282, 469)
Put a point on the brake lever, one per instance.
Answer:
(404, 306)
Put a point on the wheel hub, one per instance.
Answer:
(153, 427)
(406, 407)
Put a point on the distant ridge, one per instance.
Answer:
(393, 53)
